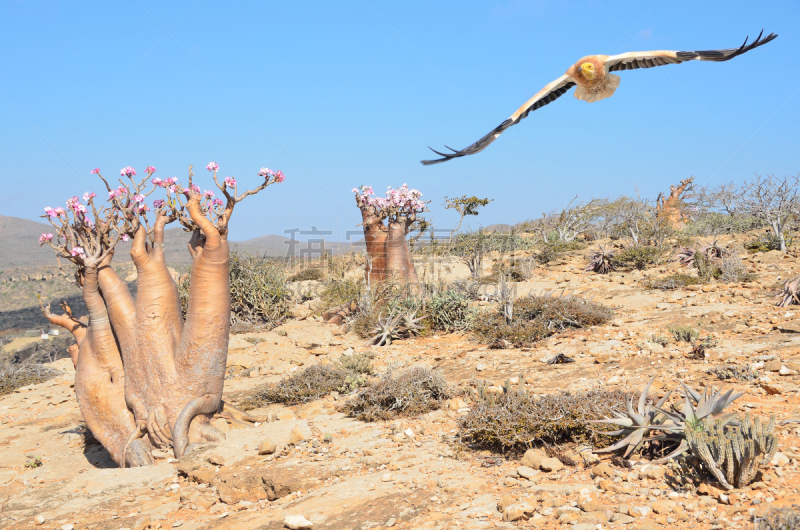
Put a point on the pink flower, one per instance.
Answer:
(127, 171)
(96, 171)
(89, 195)
(144, 208)
(158, 203)
(49, 212)
(150, 169)
(59, 211)
(171, 180)
(195, 188)
(157, 182)
(173, 189)
(77, 251)
(217, 202)
(212, 166)
(230, 182)
(44, 238)
(138, 198)
(208, 194)
(279, 176)
(125, 237)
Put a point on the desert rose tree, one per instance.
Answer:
(144, 377)
(387, 221)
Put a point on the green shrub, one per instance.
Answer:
(670, 283)
(640, 256)
(33, 462)
(516, 420)
(359, 363)
(683, 333)
(412, 392)
(339, 292)
(766, 242)
(707, 267)
(448, 311)
(259, 294)
(19, 375)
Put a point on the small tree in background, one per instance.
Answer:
(772, 199)
(464, 206)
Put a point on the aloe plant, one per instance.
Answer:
(672, 425)
(394, 326)
(601, 261)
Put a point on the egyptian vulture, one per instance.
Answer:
(592, 75)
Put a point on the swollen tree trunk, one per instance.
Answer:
(203, 352)
(100, 383)
(397, 253)
(375, 236)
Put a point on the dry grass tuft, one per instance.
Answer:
(412, 392)
(779, 519)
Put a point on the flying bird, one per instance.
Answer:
(592, 75)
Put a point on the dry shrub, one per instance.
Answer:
(779, 519)
(466, 287)
(670, 283)
(17, 376)
(307, 274)
(308, 385)
(259, 294)
(733, 270)
(340, 292)
(538, 316)
(414, 391)
(640, 256)
(515, 419)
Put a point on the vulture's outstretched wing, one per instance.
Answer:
(550, 92)
(634, 60)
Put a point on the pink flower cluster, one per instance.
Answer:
(124, 237)
(89, 195)
(216, 202)
(401, 200)
(127, 172)
(119, 192)
(54, 212)
(96, 171)
(268, 173)
(208, 194)
(230, 182)
(45, 238)
(212, 166)
(75, 205)
(150, 170)
(158, 203)
(164, 183)
(77, 251)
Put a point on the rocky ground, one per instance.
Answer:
(336, 472)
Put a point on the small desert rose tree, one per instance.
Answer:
(145, 377)
(387, 221)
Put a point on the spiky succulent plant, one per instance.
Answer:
(790, 294)
(395, 326)
(672, 425)
(601, 261)
(687, 256)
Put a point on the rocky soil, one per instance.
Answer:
(312, 462)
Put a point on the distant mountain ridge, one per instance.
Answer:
(19, 245)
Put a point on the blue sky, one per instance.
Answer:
(339, 94)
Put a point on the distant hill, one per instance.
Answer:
(19, 241)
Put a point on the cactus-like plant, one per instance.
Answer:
(733, 455)
(601, 261)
